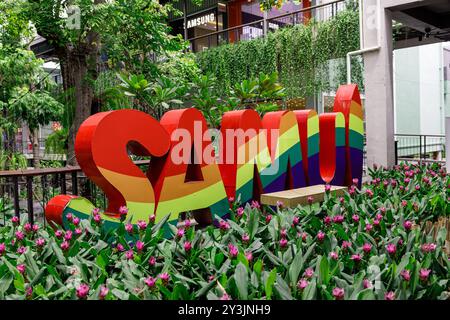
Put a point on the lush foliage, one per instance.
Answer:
(19, 70)
(36, 109)
(370, 244)
(170, 91)
(12, 160)
(93, 37)
(26, 97)
(135, 34)
(154, 98)
(14, 30)
(56, 142)
(263, 93)
(300, 54)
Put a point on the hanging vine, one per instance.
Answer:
(309, 58)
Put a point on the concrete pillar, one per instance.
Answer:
(447, 143)
(378, 74)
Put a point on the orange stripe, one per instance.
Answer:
(133, 189)
(356, 110)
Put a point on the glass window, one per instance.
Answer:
(251, 12)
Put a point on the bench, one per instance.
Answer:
(294, 197)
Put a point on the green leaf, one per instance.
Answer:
(241, 279)
(324, 271)
(357, 285)
(441, 235)
(11, 268)
(100, 246)
(180, 292)
(341, 232)
(295, 268)
(257, 267)
(242, 259)
(39, 290)
(310, 291)
(403, 263)
(58, 252)
(275, 260)
(122, 295)
(51, 270)
(366, 294)
(38, 276)
(283, 289)
(102, 261)
(31, 263)
(269, 283)
(160, 224)
(309, 252)
(5, 282)
(253, 223)
(218, 259)
(203, 290)
(19, 282)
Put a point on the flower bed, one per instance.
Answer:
(368, 244)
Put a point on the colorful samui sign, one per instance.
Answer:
(189, 170)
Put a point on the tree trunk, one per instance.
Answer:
(34, 138)
(83, 94)
(79, 69)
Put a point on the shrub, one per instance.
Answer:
(368, 244)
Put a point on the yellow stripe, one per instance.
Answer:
(139, 211)
(245, 171)
(244, 174)
(313, 125)
(136, 210)
(356, 124)
(289, 139)
(198, 200)
(81, 205)
(340, 120)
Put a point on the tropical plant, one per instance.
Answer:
(51, 164)
(246, 90)
(204, 98)
(19, 71)
(165, 96)
(269, 87)
(369, 244)
(260, 93)
(108, 92)
(137, 87)
(180, 67)
(263, 108)
(6, 208)
(12, 160)
(56, 142)
(153, 98)
(35, 108)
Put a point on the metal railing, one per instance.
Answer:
(26, 192)
(420, 148)
(259, 28)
